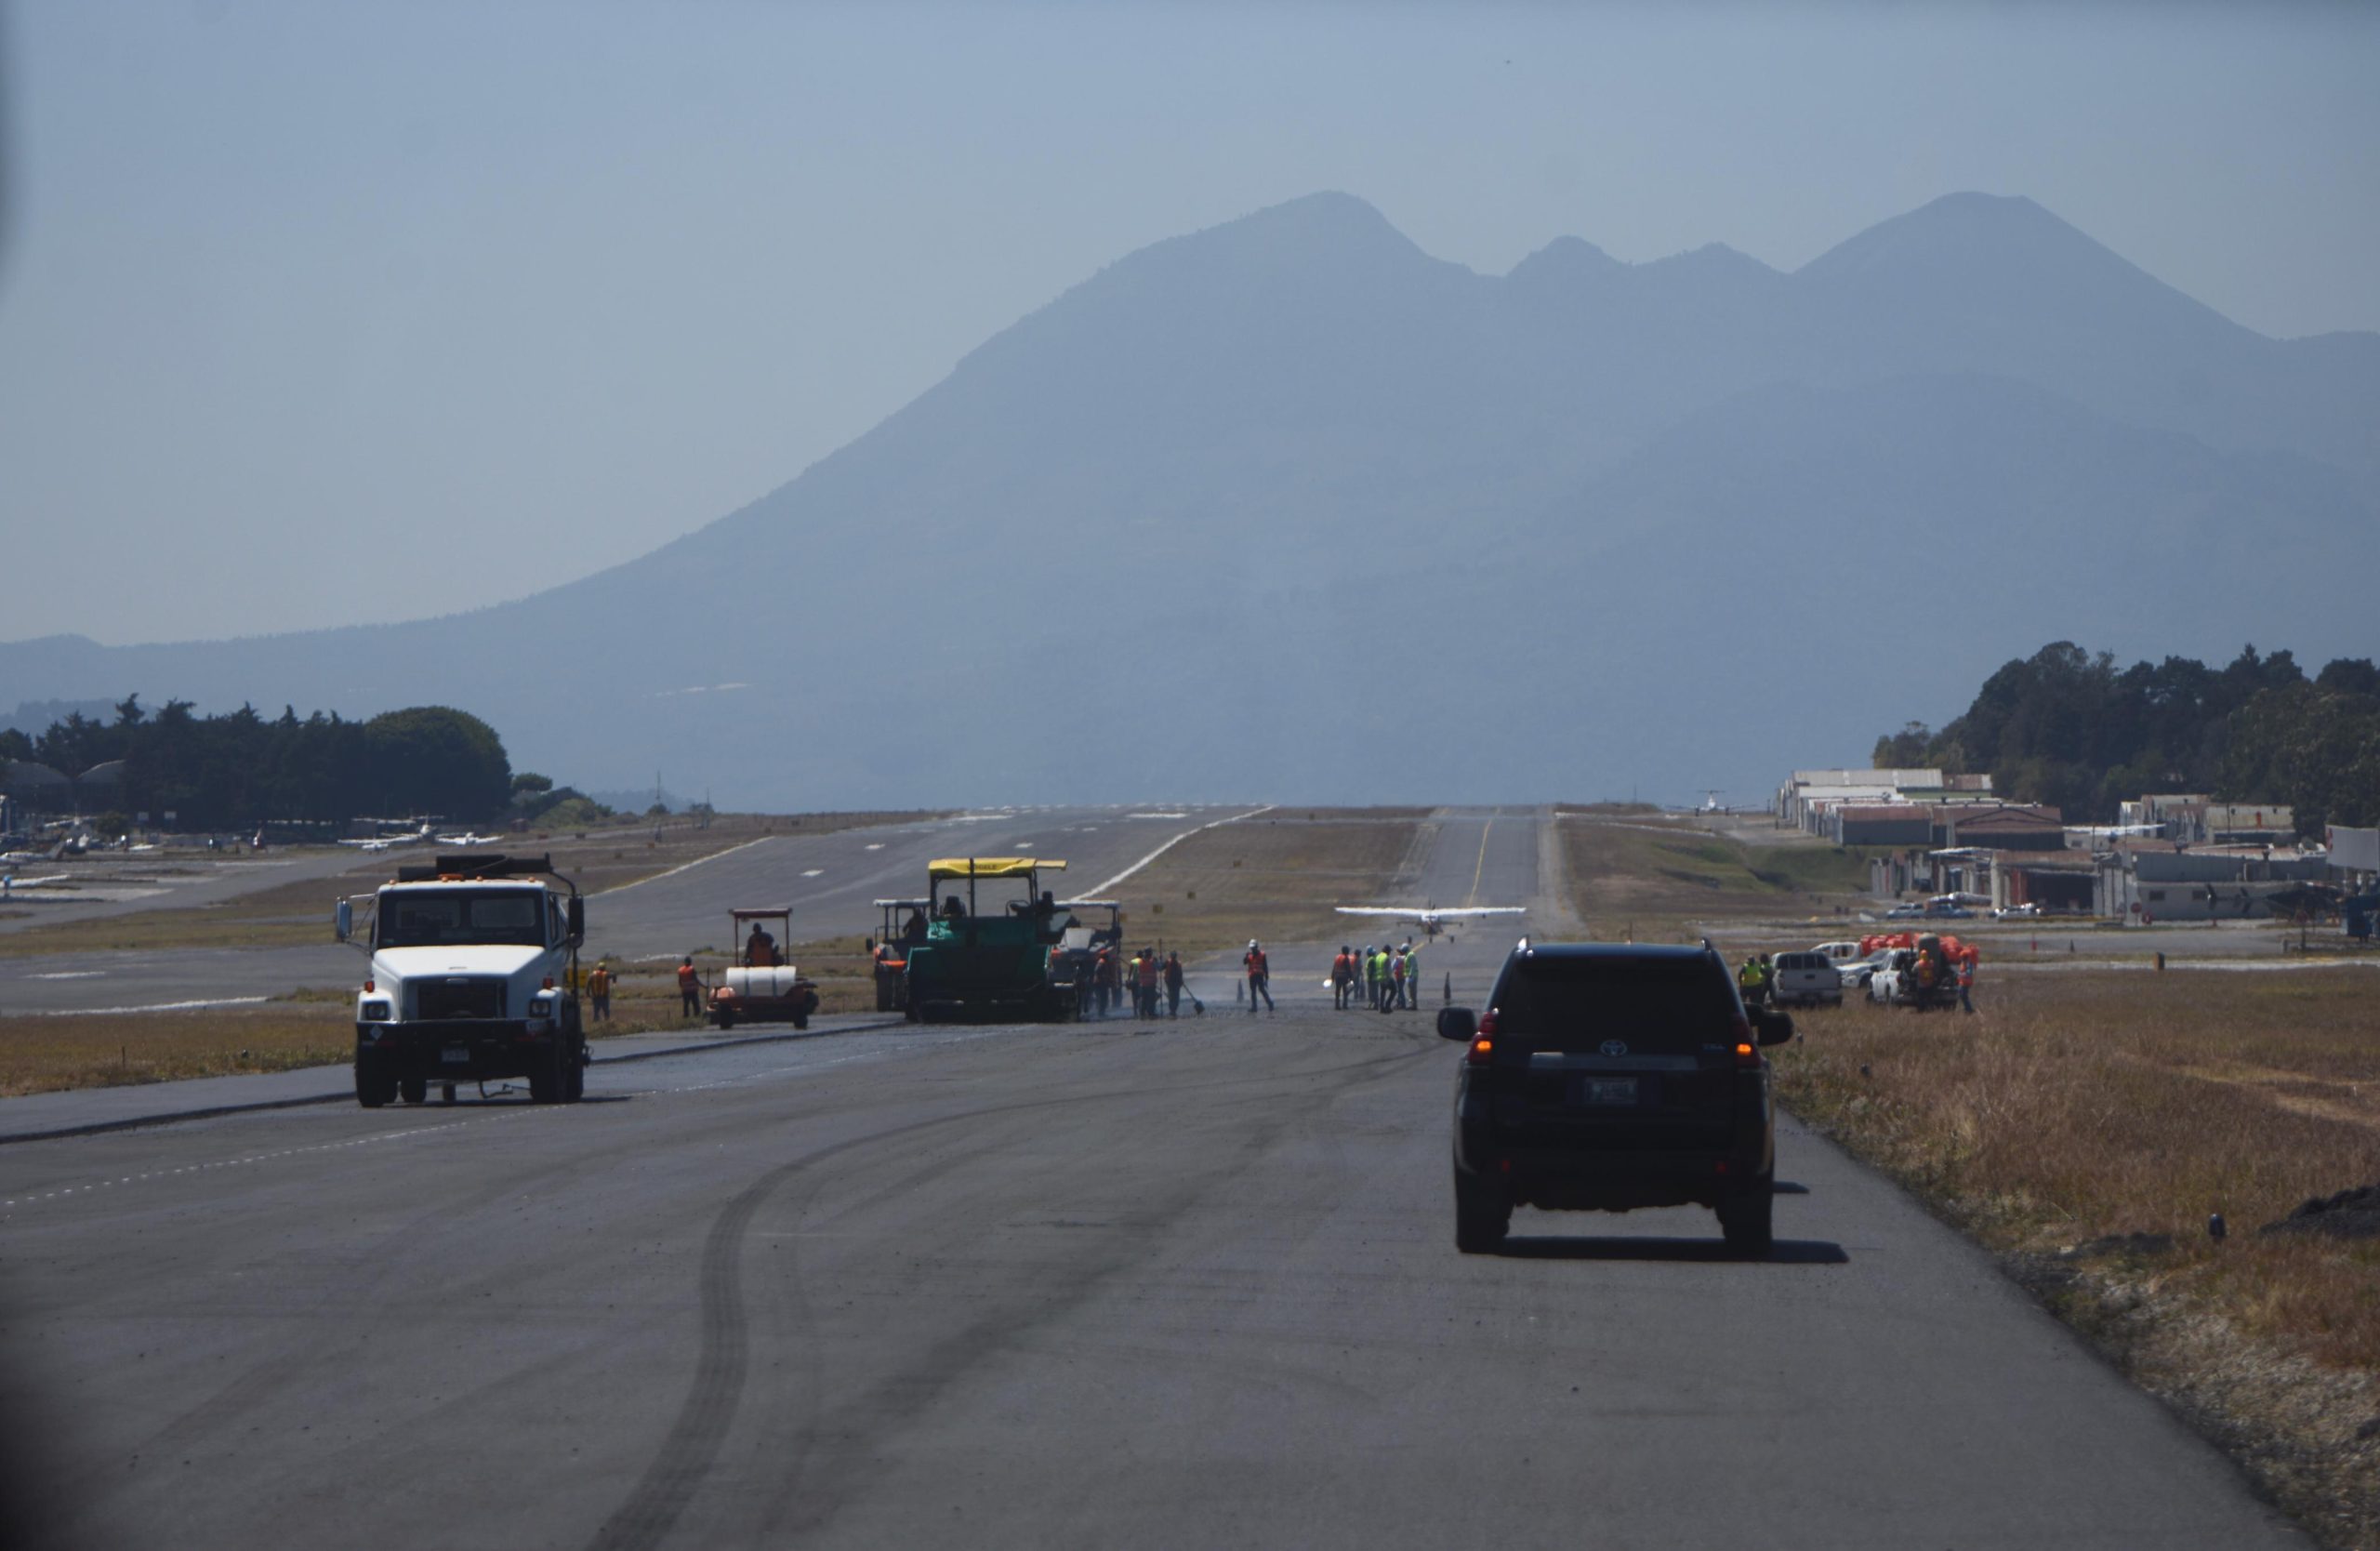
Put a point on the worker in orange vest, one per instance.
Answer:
(1260, 976)
(690, 989)
(1145, 977)
(1343, 979)
(598, 988)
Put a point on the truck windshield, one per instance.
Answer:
(431, 918)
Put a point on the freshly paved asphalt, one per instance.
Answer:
(827, 878)
(1184, 1284)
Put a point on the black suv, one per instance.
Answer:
(1606, 1076)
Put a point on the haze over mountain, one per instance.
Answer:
(1288, 508)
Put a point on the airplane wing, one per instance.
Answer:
(1485, 910)
(1374, 911)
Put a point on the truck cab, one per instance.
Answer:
(473, 977)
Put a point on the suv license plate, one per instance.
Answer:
(1607, 1091)
(459, 1054)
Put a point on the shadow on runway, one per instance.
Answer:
(1785, 1252)
(1787, 1187)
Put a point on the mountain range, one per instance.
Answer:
(1290, 508)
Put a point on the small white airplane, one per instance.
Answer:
(467, 838)
(382, 842)
(1430, 919)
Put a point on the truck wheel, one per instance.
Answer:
(414, 1089)
(573, 1077)
(884, 994)
(372, 1089)
(1482, 1214)
(545, 1078)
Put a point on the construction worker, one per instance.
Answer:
(1342, 978)
(1396, 980)
(1260, 977)
(599, 989)
(1103, 975)
(1749, 981)
(690, 989)
(1412, 975)
(760, 949)
(1146, 981)
(1966, 981)
(1173, 985)
(1371, 977)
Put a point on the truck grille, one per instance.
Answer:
(460, 997)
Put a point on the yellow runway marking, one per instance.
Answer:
(1477, 871)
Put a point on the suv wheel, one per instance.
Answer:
(416, 1090)
(1747, 1220)
(1482, 1215)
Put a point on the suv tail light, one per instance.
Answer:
(1747, 1048)
(1482, 1042)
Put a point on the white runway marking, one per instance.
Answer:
(876, 845)
(151, 1007)
(68, 975)
(1099, 890)
(813, 872)
(683, 866)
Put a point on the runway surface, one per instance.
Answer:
(827, 878)
(1184, 1284)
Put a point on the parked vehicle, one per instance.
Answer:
(1857, 973)
(1842, 952)
(2026, 912)
(1922, 977)
(1805, 980)
(1607, 1077)
(474, 962)
(1905, 912)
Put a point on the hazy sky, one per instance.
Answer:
(317, 313)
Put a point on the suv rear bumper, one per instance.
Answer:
(1612, 1180)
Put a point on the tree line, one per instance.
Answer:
(2067, 727)
(232, 771)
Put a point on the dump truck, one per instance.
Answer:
(473, 976)
(987, 949)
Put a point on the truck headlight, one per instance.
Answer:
(373, 1012)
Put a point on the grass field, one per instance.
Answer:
(1274, 878)
(1652, 878)
(2086, 1125)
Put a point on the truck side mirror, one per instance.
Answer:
(1774, 1029)
(1457, 1023)
(343, 919)
(578, 921)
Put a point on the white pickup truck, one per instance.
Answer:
(473, 977)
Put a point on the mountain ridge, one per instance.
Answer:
(1230, 453)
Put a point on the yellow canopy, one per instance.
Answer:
(987, 867)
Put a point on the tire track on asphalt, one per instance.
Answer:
(707, 1413)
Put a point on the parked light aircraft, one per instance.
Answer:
(382, 842)
(1430, 919)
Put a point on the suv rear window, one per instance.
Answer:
(1558, 1002)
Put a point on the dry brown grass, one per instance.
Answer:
(2085, 1126)
(1274, 876)
(1655, 878)
(43, 1055)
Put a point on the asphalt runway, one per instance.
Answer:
(829, 879)
(1182, 1284)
